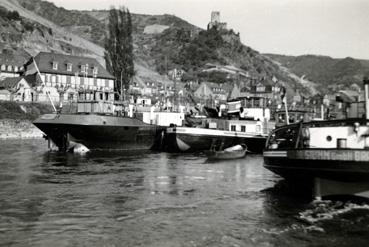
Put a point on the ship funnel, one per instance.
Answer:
(366, 88)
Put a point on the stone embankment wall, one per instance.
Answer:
(18, 129)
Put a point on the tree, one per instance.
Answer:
(119, 48)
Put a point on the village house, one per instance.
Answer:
(18, 88)
(153, 88)
(63, 76)
(265, 88)
(211, 91)
(11, 65)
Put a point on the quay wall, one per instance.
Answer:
(18, 129)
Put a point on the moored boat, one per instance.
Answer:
(189, 139)
(251, 130)
(235, 152)
(102, 124)
(330, 156)
(95, 131)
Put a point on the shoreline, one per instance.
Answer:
(11, 129)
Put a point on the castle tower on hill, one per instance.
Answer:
(215, 17)
(215, 21)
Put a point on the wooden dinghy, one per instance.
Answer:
(235, 152)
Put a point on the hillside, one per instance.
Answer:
(33, 34)
(161, 42)
(327, 72)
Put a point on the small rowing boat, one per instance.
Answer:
(235, 152)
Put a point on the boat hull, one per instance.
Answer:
(346, 165)
(99, 132)
(184, 139)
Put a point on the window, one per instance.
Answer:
(233, 127)
(69, 67)
(55, 65)
(15, 68)
(94, 71)
(9, 68)
(83, 69)
(243, 128)
(3, 67)
(111, 84)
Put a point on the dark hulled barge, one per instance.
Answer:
(98, 125)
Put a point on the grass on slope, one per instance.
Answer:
(22, 111)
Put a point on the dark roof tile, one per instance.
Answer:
(10, 82)
(44, 62)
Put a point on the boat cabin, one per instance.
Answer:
(97, 102)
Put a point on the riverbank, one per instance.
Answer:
(18, 129)
(16, 119)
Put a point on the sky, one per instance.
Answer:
(336, 28)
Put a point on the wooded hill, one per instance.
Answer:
(161, 43)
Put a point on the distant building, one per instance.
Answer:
(264, 88)
(66, 75)
(20, 89)
(10, 64)
(153, 88)
(211, 91)
(215, 21)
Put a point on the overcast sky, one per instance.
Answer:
(337, 28)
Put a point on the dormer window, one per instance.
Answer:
(69, 67)
(15, 68)
(9, 68)
(55, 65)
(3, 67)
(83, 69)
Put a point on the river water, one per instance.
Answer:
(160, 199)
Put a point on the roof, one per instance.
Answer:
(33, 80)
(45, 61)
(347, 96)
(10, 82)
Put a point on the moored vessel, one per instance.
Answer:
(331, 157)
(251, 131)
(99, 124)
